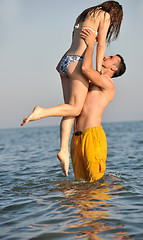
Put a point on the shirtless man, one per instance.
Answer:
(88, 144)
(101, 90)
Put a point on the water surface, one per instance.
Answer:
(38, 202)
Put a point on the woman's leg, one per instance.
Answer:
(57, 111)
(73, 109)
(65, 128)
(79, 88)
(63, 154)
(66, 123)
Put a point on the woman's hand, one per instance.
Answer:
(89, 36)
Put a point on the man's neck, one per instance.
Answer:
(107, 72)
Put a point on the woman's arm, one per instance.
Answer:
(87, 65)
(104, 24)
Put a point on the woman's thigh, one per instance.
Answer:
(66, 86)
(79, 85)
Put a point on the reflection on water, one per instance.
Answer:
(38, 202)
(93, 208)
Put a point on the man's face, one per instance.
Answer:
(109, 62)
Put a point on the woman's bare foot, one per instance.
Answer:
(64, 159)
(35, 115)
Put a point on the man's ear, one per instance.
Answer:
(114, 68)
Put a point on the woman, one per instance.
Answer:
(105, 21)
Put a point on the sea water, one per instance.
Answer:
(38, 202)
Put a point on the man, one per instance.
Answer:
(88, 144)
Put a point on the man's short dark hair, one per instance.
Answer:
(121, 67)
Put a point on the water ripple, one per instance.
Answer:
(38, 202)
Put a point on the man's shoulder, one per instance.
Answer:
(109, 82)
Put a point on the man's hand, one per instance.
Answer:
(88, 36)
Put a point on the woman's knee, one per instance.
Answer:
(77, 107)
(77, 111)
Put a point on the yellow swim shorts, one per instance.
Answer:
(89, 153)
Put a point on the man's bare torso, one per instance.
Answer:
(96, 101)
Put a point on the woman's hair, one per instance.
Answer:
(116, 15)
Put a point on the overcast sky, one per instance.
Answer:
(36, 33)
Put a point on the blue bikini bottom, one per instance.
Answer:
(67, 60)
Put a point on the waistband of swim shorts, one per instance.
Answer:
(87, 130)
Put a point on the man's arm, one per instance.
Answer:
(87, 66)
